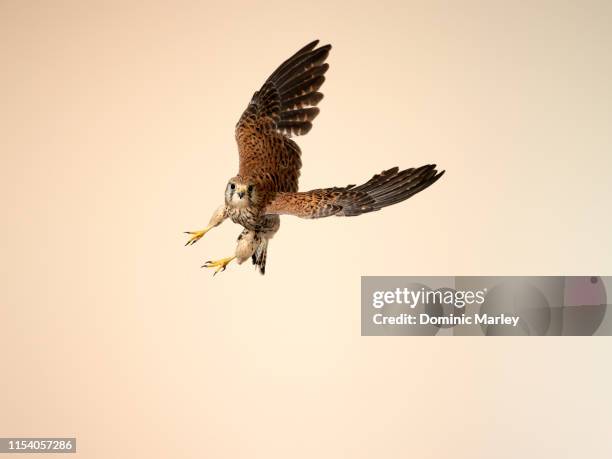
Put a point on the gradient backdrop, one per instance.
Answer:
(116, 134)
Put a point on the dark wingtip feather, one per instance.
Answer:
(389, 187)
(291, 91)
(309, 47)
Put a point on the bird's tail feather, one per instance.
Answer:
(260, 255)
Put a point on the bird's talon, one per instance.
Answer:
(196, 236)
(221, 264)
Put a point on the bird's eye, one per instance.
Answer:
(233, 186)
(250, 189)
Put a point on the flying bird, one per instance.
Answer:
(266, 185)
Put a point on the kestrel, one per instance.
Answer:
(267, 182)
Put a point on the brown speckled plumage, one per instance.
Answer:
(384, 189)
(270, 161)
(284, 106)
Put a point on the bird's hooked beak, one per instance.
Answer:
(241, 194)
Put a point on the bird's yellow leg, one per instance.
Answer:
(216, 219)
(219, 264)
(197, 235)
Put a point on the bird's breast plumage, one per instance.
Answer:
(248, 217)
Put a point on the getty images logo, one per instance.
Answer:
(410, 297)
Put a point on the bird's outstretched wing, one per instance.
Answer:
(284, 106)
(384, 189)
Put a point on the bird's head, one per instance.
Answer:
(240, 193)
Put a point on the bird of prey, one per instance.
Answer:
(266, 185)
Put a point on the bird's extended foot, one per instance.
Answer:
(196, 235)
(219, 264)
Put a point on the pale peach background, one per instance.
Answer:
(116, 134)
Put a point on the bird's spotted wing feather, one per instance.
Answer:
(284, 106)
(384, 189)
